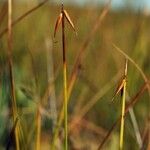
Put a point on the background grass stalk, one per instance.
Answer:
(38, 138)
(65, 81)
(123, 110)
(10, 64)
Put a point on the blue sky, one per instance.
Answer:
(116, 3)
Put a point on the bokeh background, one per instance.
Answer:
(38, 73)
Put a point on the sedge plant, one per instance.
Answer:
(122, 89)
(78, 61)
(61, 20)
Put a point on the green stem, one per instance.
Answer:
(123, 107)
(65, 108)
(122, 117)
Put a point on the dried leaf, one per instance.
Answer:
(59, 19)
(68, 19)
(120, 88)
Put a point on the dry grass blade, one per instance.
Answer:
(135, 124)
(133, 101)
(69, 19)
(58, 22)
(108, 134)
(23, 16)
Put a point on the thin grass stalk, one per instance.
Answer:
(78, 62)
(133, 119)
(38, 138)
(123, 110)
(122, 118)
(135, 125)
(65, 81)
(131, 104)
(136, 65)
(64, 112)
(10, 64)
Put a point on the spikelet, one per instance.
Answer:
(68, 19)
(123, 81)
(119, 88)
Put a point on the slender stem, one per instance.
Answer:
(38, 129)
(123, 109)
(122, 118)
(76, 64)
(10, 64)
(65, 82)
(66, 109)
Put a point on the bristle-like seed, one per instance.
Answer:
(58, 22)
(69, 20)
(120, 87)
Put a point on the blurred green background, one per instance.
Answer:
(37, 60)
